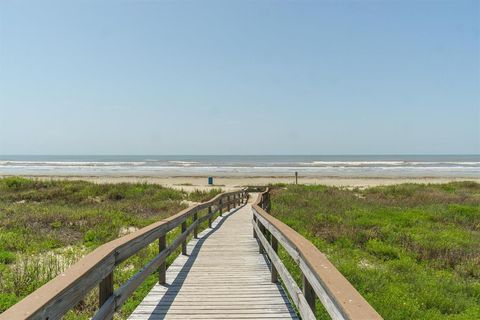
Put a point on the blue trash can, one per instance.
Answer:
(210, 180)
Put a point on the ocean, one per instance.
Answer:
(464, 166)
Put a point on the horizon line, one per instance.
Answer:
(249, 155)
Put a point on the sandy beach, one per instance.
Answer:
(234, 171)
(234, 182)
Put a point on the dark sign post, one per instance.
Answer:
(296, 177)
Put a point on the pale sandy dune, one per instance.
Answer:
(230, 183)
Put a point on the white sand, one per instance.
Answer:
(230, 183)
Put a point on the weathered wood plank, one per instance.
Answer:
(80, 279)
(162, 269)
(294, 291)
(337, 295)
(59, 295)
(221, 277)
(105, 290)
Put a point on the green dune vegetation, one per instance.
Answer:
(412, 250)
(45, 226)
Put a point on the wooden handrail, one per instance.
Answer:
(319, 276)
(55, 298)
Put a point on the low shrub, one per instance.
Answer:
(45, 226)
(411, 250)
(6, 257)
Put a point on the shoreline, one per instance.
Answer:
(189, 183)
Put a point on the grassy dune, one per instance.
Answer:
(413, 251)
(45, 226)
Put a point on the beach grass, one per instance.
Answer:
(412, 250)
(45, 226)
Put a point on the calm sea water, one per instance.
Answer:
(325, 165)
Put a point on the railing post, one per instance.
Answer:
(229, 198)
(162, 269)
(260, 226)
(210, 218)
(254, 221)
(220, 206)
(308, 292)
(274, 243)
(269, 203)
(266, 201)
(184, 243)
(105, 290)
(195, 230)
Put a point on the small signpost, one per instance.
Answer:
(296, 177)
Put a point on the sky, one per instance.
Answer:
(239, 77)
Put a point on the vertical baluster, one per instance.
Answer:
(210, 217)
(195, 230)
(162, 269)
(184, 243)
(105, 290)
(260, 227)
(308, 293)
(274, 243)
(269, 203)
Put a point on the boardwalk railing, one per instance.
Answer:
(319, 277)
(62, 293)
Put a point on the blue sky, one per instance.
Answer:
(239, 77)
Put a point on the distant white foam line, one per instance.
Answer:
(356, 163)
(178, 163)
(73, 163)
(403, 164)
(183, 163)
(452, 163)
(186, 168)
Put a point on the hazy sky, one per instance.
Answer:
(239, 77)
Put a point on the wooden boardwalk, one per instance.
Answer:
(222, 277)
(221, 274)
